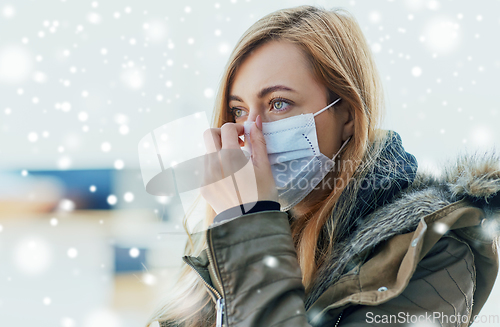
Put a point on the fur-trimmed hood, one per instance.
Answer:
(475, 176)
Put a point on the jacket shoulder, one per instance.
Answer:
(443, 282)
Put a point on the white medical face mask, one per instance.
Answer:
(296, 162)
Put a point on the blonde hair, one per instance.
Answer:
(341, 59)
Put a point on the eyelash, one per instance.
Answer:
(278, 99)
(271, 102)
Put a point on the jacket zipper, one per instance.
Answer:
(338, 319)
(219, 302)
(220, 310)
(221, 306)
(214, 294)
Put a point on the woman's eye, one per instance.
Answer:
(280, 104)
(277, 105)
(237, 113)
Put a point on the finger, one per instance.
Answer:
(259, 148)
(230, 133)
(232, 157)
(246, 181)
(213, 169)
(212, 172)
(212, 139)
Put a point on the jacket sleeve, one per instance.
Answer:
(440, 292)
(256, 266)
(238, 211)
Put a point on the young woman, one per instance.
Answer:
(340, 228)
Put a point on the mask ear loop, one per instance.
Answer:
(338, 152)
(331, 104)
(343, 145)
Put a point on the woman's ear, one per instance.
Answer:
(347, 116)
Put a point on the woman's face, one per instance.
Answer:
(275, 81)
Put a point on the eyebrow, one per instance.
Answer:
(264, 92)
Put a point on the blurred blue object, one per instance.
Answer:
(81, 189)
(77, 185)
(124, 262)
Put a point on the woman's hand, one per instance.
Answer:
(230, 179)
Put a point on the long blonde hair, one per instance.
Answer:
(341, 59)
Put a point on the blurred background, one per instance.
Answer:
(82, 82)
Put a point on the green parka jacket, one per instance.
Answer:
(427, 255)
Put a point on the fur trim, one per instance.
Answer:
(476, 176)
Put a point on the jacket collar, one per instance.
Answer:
(394, 171)
(387, 211)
